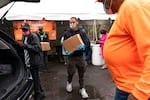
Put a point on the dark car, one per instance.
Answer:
(15, 78)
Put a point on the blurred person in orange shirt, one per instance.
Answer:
(127, 48)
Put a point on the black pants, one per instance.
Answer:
(76, 63)
(45, 58)
(36, 80)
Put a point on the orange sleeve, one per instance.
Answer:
(138, 24)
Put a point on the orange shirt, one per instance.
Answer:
(127, 48)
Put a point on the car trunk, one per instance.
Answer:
(12, 70)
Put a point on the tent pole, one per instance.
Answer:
(95, 32)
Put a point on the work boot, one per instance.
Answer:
(83, 93)
(69, 87)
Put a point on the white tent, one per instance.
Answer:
(56, 10)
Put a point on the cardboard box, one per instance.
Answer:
(45, 46)
(71, 43)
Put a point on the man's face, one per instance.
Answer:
(26, 32)
(111, 6)
(73, 24)
(107, 6)
(40, 30)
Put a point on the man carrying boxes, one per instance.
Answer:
(75, 41)
(45, 45)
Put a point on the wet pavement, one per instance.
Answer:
(98, 83)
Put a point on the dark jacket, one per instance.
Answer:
(84, 37)
(34, 49)
(45, 36)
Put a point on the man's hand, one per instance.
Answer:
(131, 97)
(21, 44)
(80, 47)
(69, 53)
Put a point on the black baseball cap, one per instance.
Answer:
(25, 26)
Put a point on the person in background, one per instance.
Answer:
(87, 51)
(64, 54)
(102, 39)
(76, 60)
(127, 48)
(44, 38)
(33, 58)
